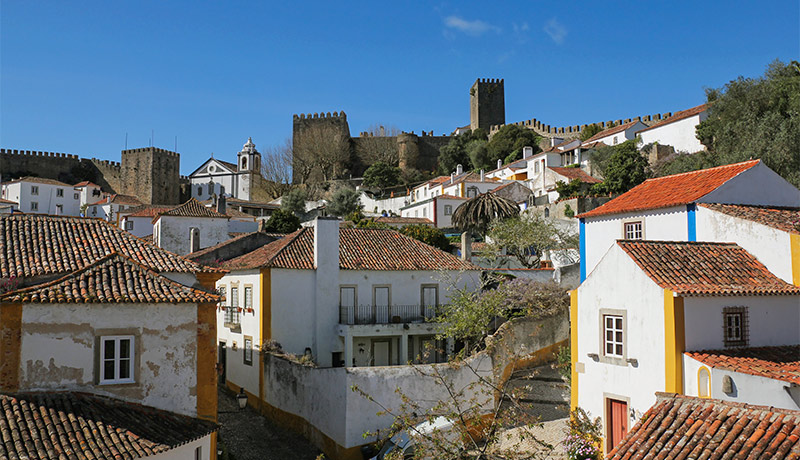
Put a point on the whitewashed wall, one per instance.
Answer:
(142, 226)
(187, 451)
(236, 370)
(58, 343)
(769, 245)
(681, 135)
(388, 204)
(758, 185)
(46, 199)
(172, 232)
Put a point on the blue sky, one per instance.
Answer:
(76, 77)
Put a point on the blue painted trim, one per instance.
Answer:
(582, 248)
(691, 220)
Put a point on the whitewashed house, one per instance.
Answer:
(103, 329)
(439, 209)
(218, 177)
(111, 207)
(618, 134)
(647, 303)
(139, 220)
(35, 195)
(89, 192)
(8, 206)
(189, 227)
(678, 131)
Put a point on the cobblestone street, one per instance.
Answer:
(249, 436)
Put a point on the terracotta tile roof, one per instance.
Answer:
(55, 426)
(191, 208)
(612, 131)
(779, 363)
(575, 173)
(437, 180)
(698, 268)
(784, 219)
(112, 279)
(7, 201)
(37, 245)
(404, 220)
(451, 197)
(85, 183)
(119, 199)
(233, 240)
(147, 210)
(38, 180)
(232, 166)
(687, 427)
(678, 189)
(359, 249)
(233, 212)
(677, 116)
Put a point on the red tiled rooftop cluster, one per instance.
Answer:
(191, 208)
(779, 363)
(697, 268)
(575, 173)
(611, 131)
(784, 219)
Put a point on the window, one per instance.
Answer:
(59, 192)
(248, 348)
(615, 140)
(128, 225)
(94, 210)
(425, 212)
(347, 304)
(76, 196)
(116, 359)
(613, 336)
(448, 210)
(244, 163)
(472, 192)
(59, 209)
(430, 300)
(735, 326)
(232, 312)
(222, 290)
(703, 383)
(34, 206)
(198, 453)
(248, 297)
(381, 301)
(633, 230)
(547, 212)
(34, 189)
(536, 167)
(96, 192)
(199, 190)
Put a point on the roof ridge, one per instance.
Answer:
(289, 240)
(664, 396)
(697, 171)
(715, 243)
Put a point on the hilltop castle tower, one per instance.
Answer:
(151, 174)
(487, 104)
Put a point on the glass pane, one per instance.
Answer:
(381, 296)
(619, 323)
(609, 322)
(619, 350)
(108, 370)
(619, 336)
(609, 349)
(108, 347)
(609, 335)
(125, 348)
(347, 297)
(124, 368)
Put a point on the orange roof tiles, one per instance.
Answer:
(677, 116)
(55, 426)
(612, 131)
(359, 249)
(111, 279)
(698, 268)
(119, 199)
(146, 210)
(404, 220)
(575, 173)
(191, 208)
(686, 427)
(667, 191)
(779, 363)
(37, 245)
(784, 219)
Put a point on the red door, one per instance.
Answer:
(617, 423)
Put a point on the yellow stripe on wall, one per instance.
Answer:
(794, 244)
(674, 342)
(573, 347)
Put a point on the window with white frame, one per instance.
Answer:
(129, 225)
(198, 453)
(472, 192)
(448, 210)
(222, 290)
(116, 359)
(34, 189)
(59, 192)
(248, 350)
(248, 297)
(232, 312)
(735, 326)
(613, 335)
(633, 230)
(536, 167)
(59, 209)
(34, 206)
(425, 212)
(76, 196)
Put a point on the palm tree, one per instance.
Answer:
(477, 213)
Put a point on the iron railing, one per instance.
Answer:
(386, 314)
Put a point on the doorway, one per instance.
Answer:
(222, 357)
(617, 423)
(381, 352)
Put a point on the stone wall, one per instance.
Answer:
(487, 106)
(151, 174)
(572, 132)
(65, 167)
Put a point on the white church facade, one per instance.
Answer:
(224, 178)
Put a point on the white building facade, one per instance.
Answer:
(217, 177)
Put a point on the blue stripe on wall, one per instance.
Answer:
(691, 218)
(582, 248)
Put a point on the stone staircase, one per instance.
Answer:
(542, 390)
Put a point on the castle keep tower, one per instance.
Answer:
(152, 175)
(487, 104)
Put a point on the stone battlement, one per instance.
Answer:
(490, 80)
(107, 163)
(552, 131)
(34, 153)
(151, 149)
(321, 115)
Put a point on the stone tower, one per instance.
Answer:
(309, 131)
(487, 105)
(152, 175)
(249, 159)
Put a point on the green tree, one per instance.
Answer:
(508, 142)
(456, 153)
(343, 202)
(600, 158)
(753, 118)
(626, 168)
(528, 237)
(479, 154)
(477, 213)
(590, 131)
(381, 175)
(569, 189)
(431, 236)
(282, 221)
(294, 201)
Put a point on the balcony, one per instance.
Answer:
(386, 314)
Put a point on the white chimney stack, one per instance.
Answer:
(459, 170)
(527, 152)
(483, 176)
(326, 286)
(326, 243)
(499, 164)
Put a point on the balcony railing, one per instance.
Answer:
(386, 314)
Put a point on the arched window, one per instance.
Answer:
(199, 190)
(194, 239)
(244, 163)
(703, 383)
(547, 212)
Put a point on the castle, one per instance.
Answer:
(151, 174)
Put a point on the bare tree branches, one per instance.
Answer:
(276, 168)
(320, 152)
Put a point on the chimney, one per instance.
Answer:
(326, 243)
(452, 177)
(555, 140)
(527, 152)
(459, 170)
(483, 176)
(499, 164)
(326, 286)
(221, 205)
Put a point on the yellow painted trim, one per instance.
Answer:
(674, 342)
(207, 361)
(794, 245)
(213, 453)
(708, 388)
(264, 325)
(10, 345)
(573, 347)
